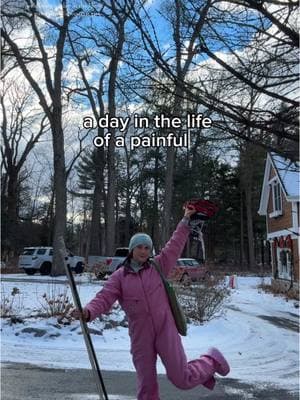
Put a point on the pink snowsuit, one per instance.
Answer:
(152, 328)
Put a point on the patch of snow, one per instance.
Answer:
(79, 278)
(258, 349)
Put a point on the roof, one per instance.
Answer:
(288, 173)
(288, 176)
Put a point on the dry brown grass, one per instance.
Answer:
(10, 267)
(276, 290)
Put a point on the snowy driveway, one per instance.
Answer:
(258, 334)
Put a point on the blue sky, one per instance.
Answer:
(239, 35)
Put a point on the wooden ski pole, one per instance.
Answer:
(87, 338)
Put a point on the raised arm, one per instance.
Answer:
(174, 247)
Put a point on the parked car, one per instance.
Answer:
(35, 259)
(103, 265)
(188, 269)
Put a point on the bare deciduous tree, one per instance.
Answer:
(49, 91)
(244, 45)
(109, 43)
(21, 130)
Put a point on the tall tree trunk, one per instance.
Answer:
(169, 175)
(95, 229)
(60, 194)
(246, 164)
(127, 217)
(50, 219)
(166, 226)
(95, 245)
(155, 225)
(128, 199)
(242, 247)
(12, 209)
(111, 190)
(248, 203)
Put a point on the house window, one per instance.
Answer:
(277, 197)
(277, 200)
(284, 263)
(41, 252)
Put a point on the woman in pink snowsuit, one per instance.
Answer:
(139, 289)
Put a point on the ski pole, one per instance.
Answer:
(87, 338)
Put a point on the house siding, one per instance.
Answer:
(296, 260)
(283, 221)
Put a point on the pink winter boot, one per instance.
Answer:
(221, 365)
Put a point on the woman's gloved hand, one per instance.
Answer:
(75, 313)
(189, 211)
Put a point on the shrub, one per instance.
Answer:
(204, 301)
(10, 304)
(56, 302)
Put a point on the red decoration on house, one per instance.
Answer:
(281, 242)
(288, 242)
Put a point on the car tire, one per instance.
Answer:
(207, 275)
(185, 280)
(45, 268)
(79, 268)
(30, 271)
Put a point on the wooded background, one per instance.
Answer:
(234, 61)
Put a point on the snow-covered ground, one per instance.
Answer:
(258, 333)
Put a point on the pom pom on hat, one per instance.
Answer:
(138, 239)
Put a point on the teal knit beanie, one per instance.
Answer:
(140, 238)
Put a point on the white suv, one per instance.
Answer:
(35, 259)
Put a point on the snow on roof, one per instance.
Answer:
(288, 173)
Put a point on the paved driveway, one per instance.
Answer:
(27, 382)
